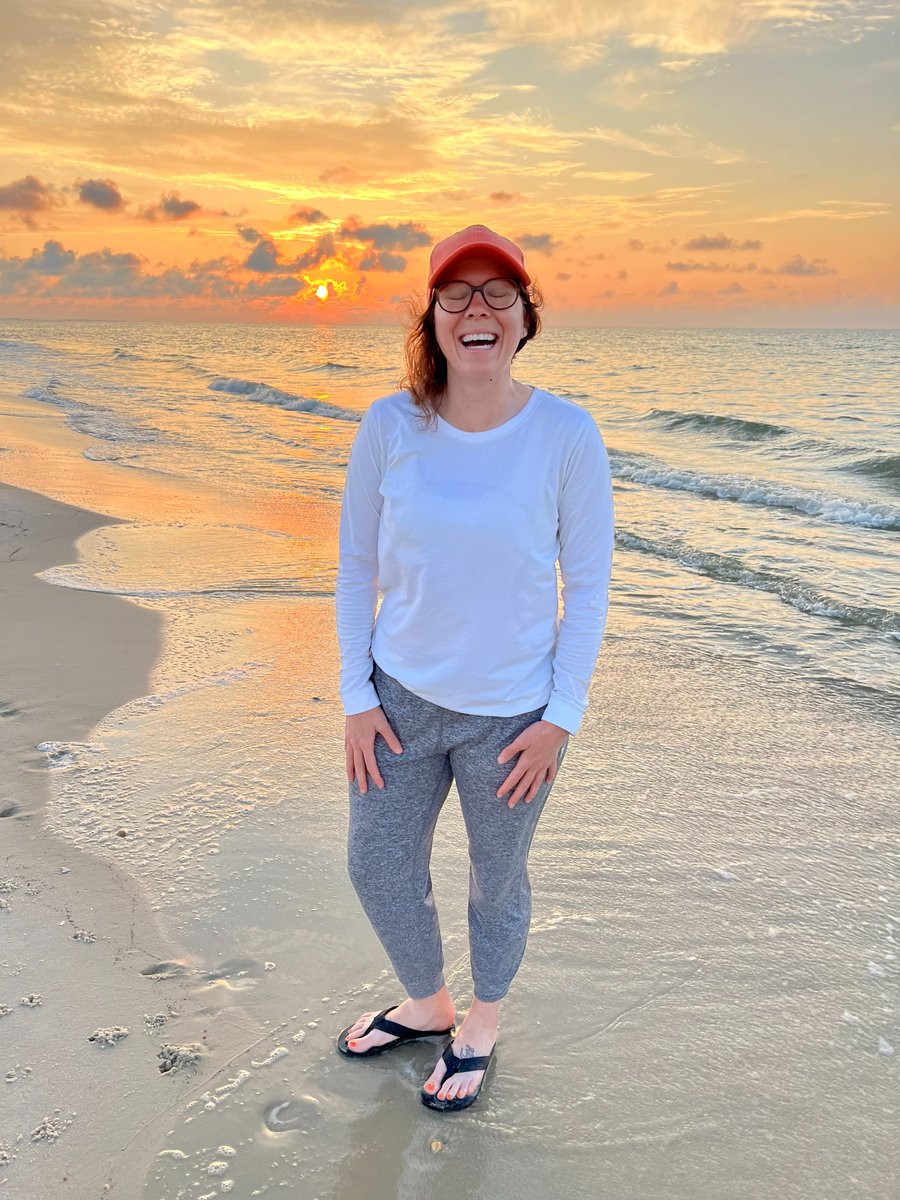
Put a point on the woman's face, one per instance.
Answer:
(507, 324)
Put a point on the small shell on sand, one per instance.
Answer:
(50, 1128)
(32, 1000)
(109, 1035)
(156, 1021)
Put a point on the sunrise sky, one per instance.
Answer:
(662, 162)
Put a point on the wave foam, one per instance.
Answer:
(726, 569)
(749, 491)
(261, 393)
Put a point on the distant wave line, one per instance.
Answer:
(262, 393)
(727, 569)
(740, 427)
(749, 491)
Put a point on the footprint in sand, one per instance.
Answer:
(165, 970)
(297, 1112)
(233, 968)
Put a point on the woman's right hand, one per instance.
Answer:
(359, 743)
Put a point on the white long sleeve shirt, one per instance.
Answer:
(461, 533)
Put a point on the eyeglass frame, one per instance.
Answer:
(479, 287)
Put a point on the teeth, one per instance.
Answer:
(469, 339)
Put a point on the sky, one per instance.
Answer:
(660, 162)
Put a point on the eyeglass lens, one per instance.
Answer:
(456, 295)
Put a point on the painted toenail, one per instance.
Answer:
(429, 1087)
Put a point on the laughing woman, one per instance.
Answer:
(462, 492)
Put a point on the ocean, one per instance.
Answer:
(707, 1007)
(757, 472)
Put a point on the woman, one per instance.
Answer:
(461, 494)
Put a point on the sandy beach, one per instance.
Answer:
(83, 957)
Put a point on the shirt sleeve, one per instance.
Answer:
(356, 593)
(586, 535)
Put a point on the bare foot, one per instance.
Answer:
(477, 1035)
(434, 1012)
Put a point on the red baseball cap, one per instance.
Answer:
(471, 240)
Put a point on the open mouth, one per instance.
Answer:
(479, 341)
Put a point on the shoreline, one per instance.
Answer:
(80, 933)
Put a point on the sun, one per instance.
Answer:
(322, 291)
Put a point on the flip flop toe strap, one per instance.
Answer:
(456, 1066)
(395, 1029)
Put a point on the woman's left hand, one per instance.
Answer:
(538, 749)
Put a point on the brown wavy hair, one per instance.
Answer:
(425, 377)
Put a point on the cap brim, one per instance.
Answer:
(488, 249)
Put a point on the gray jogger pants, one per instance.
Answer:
(392, 830)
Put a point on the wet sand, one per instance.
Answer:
(90, 990)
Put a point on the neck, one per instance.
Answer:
(481, 403)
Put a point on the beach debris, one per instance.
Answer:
(437, 1146)
(121, 833)
(51, 1127)
(175, 1058)
(5, 1010)
(108, 1035)
(156, 1021)
(32, 1000)
(9, 811)
(65, 870)
(84, 935)
(278, 1052)
(269, 966)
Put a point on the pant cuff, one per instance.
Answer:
(419, 993)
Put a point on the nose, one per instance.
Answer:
(478, 304)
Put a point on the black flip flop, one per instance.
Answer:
(456, 1066)
(401, 1034)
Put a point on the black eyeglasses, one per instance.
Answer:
(456, 295)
